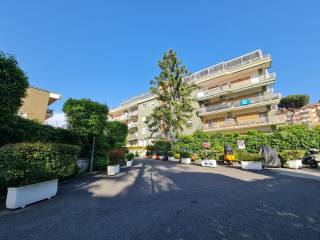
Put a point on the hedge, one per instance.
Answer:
(285, 138)
(28, 163)
(241, 155)
(24, 130)
(288, 155)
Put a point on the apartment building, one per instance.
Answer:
(309, 114)
(237, 95)
(35, 104)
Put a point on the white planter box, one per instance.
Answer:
(113, 170)
(171, 158)
(296, 164)
(161, 157)
(251, 165)
(209, 163)
(129, 163)
(21, 196)
(186, 160)
(83, 165)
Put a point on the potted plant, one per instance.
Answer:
(160, 155)
(148, 154)
(31, 170)
(292, 157)
(170, 156)
(129, 159)
(249, 161)
(185, 157)
(207, 158)
(177, 157)
(136, 154)
(115, 156)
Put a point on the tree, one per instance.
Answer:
(294, 101)
(116, 133)
(86, 118)
(13, 86)
(173, 94)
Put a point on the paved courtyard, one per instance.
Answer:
(164, 200)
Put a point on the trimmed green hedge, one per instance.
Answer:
(285, 138)
(241, 155)
(28, 163)
(288, 155)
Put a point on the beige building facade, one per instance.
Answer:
(233, 96)
(309, 114)
(35, 104)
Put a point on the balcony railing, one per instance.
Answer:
(241, 103)
(132, 125)
(228, 66)
(273, 119)
(131, 114)
(228, 89)
(133, 136)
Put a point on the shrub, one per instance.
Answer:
(162, 146)
(288, 155)
(148, 153)
(177, 156)
(242, 155)
(159, 153)
(115, 156)
(185, 154)
(28, 163)
(136, 154)
(170, 154)
(101, 163)
(208, 154)
(129, 156)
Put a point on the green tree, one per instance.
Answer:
(173, 94)
(116, 134)
(86, 118)
(294, 101)
(13, 86)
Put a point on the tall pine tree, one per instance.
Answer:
(174, 96)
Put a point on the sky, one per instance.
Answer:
(108, 50)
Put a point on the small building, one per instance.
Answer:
(309, 114)
(35, 104)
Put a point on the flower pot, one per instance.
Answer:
(171, 158)
(113, 170)
(186, 160)
(129, 163)
(295, 164)
(208, 163)
(161, 157)
(19, 197)
(251, 165)
(83, 165)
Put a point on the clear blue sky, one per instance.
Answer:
(108, 50)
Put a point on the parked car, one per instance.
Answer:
(312, 159)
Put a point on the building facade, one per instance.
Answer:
(35, 104)
(237, 95)
(309, 114)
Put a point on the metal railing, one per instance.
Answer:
(229, 88)
(271, 119)
(251, 101)
(228, 66)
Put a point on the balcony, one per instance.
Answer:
(49, 113)
(228, 66)
(262, 122)
(244, 103)
(227, 89)
(133, 113)
(133, 136)
(132, 125)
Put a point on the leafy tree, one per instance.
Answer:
(116, 134)
(174, 98)
(13, 86)
(86, 118)
(294, 101)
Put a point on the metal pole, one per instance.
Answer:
(92, 154)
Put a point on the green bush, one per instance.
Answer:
(288, 155)
(162, 146)
(242, 155)
(129, 156)
(101, 163)
(148, 153)
(206, 154)
(24, 130)
(170, 153)
(177, 156)
(185, 154)
(136, 154)
(28, 163)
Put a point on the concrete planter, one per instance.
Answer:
(19, 197)
(83, 165)
(171, 158)
(209, 163)
(161, 157)
(186, 160)
(129, 163)
(295, 164)
(251, 165)
(113, 170)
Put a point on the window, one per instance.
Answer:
(144, 106)
(152, 105)
(143, 119)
